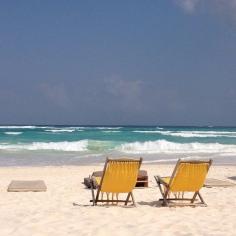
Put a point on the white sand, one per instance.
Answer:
(53, 212)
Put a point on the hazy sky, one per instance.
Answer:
(170, 62)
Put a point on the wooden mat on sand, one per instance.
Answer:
(27, 186)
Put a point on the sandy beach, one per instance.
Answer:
(83, 81)
(64, 209)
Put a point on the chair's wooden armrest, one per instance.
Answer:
(159, 180)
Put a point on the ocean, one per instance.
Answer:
(68, 145)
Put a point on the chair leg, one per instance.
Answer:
(132, 196)
(92, 190)
(200, 197)
(194, 197)
(161, 190)
(165, 202)
(203, 202)
(127, 199)
(117, 198)
(164, 194)
(97, 196)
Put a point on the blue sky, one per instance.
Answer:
(169, 62)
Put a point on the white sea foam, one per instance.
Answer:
(227, 154)
(163, 146)
(158, 161)
(191, 134)
(176, 159)
(108, 128)
(76, 146)
(150, 131)
(13, 133)
(111, 131)
(59, 130)
(202, 134)
(18, 127)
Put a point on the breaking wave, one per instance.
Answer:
(65, 146)
(190, 134)
(163, 146)
(201, 134)
(76, 146)
(108, 128)
(13, 133)
(59, 130)
(18, 127)
(111, 131)
(149, 131)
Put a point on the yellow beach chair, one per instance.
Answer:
(119, 176)
(188, 176)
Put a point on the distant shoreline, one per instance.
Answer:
(122, 125)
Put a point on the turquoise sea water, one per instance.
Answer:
(88, 144)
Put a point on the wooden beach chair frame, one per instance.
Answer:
(96, 199)
(165, 188)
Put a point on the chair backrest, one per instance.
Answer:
(189, 176)
(120, 175)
